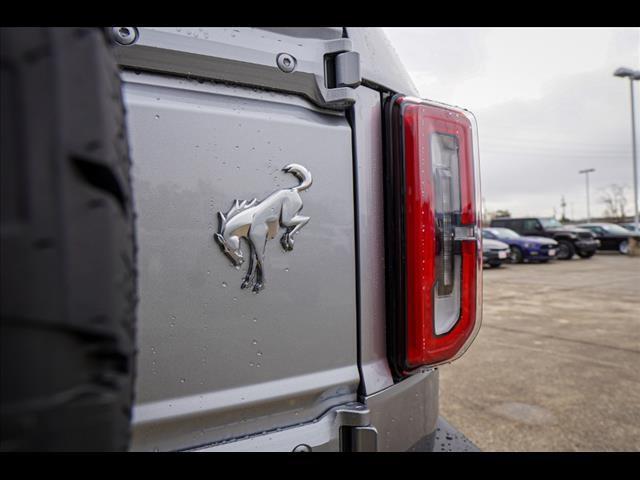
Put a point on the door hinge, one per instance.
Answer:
(356, 432)
(347, 69)
(342, 70)
(341, 73)
(358, 439)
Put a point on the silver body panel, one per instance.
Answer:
(380, 64)
(320, 435)
(216, 361)
(223, 368)
(402, 415)
(406, 412)
(371, 265)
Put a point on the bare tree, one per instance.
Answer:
(615, 200)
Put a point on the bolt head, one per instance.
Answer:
(302, 448)
(286, 62)
(124, 35)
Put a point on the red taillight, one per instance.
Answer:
(434, 262)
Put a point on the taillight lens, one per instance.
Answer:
(434, 252)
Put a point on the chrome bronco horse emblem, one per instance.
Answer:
(258, 222)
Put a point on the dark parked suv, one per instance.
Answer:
(571, 240)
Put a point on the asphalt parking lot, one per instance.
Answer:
(556, 365)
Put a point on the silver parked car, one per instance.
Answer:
(308, 244)
(495, 252)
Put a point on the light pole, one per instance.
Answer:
(586, 174)
(632, 75)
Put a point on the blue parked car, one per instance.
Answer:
(538, 249)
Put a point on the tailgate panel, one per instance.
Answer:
(217, 362)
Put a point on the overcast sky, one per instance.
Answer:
(547, 105)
